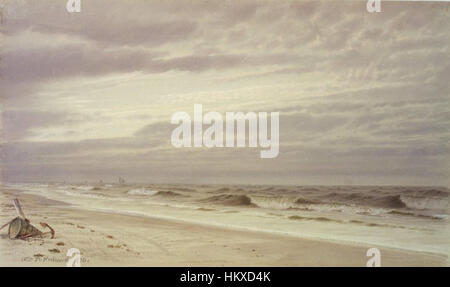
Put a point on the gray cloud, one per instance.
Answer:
(360, 95)
(18, 124)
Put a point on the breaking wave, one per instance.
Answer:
(229, 199)
(164, 193)
(142, 191)
(383, 197)
(150, 192)
(84, 188)
(432, 199)
(281, 202)
(417, 202)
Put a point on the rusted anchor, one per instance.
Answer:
(21, 228)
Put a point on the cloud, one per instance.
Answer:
(18, 124)
(90, 94)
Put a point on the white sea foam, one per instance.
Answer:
(142, 191)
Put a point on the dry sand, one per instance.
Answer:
(106, 239)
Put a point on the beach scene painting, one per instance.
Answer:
(224, 133)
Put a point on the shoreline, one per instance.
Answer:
(117, 239)
(244, 229)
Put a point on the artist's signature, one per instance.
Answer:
(45, 259)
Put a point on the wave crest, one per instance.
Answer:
(230, 199)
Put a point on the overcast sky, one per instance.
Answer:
(363, 98)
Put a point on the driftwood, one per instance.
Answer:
(21, 228)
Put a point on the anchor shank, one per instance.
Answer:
(19, 209)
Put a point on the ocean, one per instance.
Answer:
(411, 218)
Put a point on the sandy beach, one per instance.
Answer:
(107, 239)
